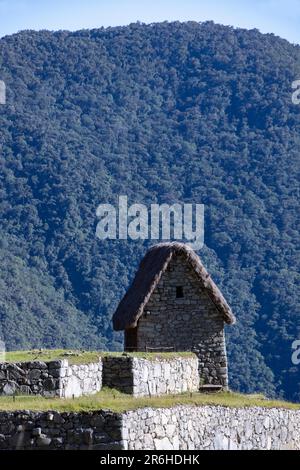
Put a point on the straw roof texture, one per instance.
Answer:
(151, 268)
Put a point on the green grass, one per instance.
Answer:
(153, 355)
(82, 357)
(119, 402)
(115, 400)
(74, 357)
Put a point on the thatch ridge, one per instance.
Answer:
(151, 268)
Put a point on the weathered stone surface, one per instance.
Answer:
(51, 379)
(14, 372)
(34, 430)
(9, 388)
(73, 387)
(50, 385)
(211, 427)
(160, 376)
(82, 379)
(3, 374)
(178, 428)
(34, 374)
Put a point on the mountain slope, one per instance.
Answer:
(161, 113)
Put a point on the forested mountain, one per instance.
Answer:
(166, 112)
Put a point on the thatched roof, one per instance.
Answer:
(151, 268)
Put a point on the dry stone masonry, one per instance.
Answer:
(50, 379)
(134, 375)
(80, 379)
(173, 304)
(200, 327)
(99, 430)
(157, 376)
(211, 428)
(178, 428)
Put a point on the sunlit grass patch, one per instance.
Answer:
(119, 402)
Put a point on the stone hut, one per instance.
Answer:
(174, 305)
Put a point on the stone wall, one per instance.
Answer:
(211, 428)
(142, 377)
(52, 430)
(189, 323)
(117, 373)
(50, 379)
(80, 379)
(178, 428)
(128, 374)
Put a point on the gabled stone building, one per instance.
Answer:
(173, 304)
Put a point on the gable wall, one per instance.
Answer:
(189, 323)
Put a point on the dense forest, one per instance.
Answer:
(166, 112)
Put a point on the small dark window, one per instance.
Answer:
(179, 292)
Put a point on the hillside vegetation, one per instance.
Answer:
(170, 113)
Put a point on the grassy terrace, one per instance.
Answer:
(81, 357)
(115, 400)
(74, 357)
(119, 402)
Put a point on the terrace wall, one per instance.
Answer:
(211, 428)
(50, 379)
(157, 376)
(177, 428)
